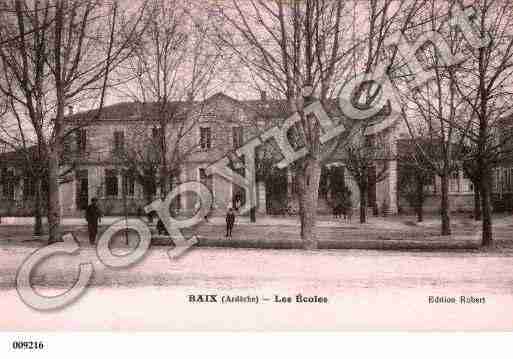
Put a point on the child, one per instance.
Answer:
(230, 221)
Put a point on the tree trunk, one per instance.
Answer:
(54, 211)
(444, 209)
(419, 201)
(125, 211)
(486, 203)
(477, 201)
(308, 178)
(38, 225)
(164, 182)
(148, 198)
(289, 188)
(363, 203)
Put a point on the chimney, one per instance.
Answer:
(70, 110)
(263, 95)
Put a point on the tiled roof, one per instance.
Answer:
(128, 111)
(271, 108)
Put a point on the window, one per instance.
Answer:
(128, 184)
(430, 180)
(149, 185)
(119, 141)
(205, 179)
(237, 136)
(237, 164)
(8, 184)
(509, 173)
(82, 189)
(82, 140)
(205, 138)
(156, 132)
(203, 174)
(494, 180)
(454, 185)
(430, 183)
(29, 188)
(111, 183)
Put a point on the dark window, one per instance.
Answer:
(128, 183)
(430, 179)
(205, 179)
(156, 133)
(82, 189)
(29, 187)
(454, 183)
(150, 185)
(239, 165)
(82, 140)
(119, 141)
(203, 174)
(238, 136)
(205, 138)
(111, 183)
(8, 184)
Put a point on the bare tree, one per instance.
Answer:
(290, 44)
(414, 175)
(175, 63)
(66, 61)
(431, 109)
(367, 159)
(484, 81)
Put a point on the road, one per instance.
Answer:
(365, 290)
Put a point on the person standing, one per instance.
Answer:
(230, 221)
(93, 217)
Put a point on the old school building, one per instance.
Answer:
(208, 130)
(213, 128)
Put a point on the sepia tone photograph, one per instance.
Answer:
(256, 165)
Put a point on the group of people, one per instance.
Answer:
(343, 208)
(94, 215)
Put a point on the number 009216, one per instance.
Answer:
(27, 345)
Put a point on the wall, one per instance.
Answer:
(458, 203)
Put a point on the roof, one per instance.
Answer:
(128, 111)
(272, 108)
(14, 156)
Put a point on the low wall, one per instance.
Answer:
(458, 203)
(502, 202)
(18, 208)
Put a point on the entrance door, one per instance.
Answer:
(82, 190)
(238, 197)
(371, 195)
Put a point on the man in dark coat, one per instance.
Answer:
(93, 217)
(230, 221)
(161, 228)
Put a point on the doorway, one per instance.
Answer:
(82, 190)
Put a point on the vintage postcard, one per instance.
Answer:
(256, 165)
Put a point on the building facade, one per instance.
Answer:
(206, 131)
